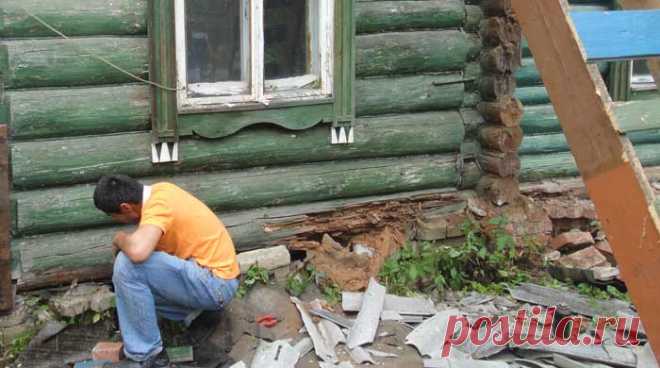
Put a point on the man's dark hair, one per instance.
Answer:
(113, 190)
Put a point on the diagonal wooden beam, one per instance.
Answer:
(611, 171)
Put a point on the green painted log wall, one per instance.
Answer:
(74, 118)
(67, 161)
(69, 208)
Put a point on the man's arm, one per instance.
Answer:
(139, 245)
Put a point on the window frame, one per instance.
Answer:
(253, 45)
(168, 122)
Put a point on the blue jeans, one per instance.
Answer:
(165, 286)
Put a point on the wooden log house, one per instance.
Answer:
(426, 90)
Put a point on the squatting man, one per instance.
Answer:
(179, 264)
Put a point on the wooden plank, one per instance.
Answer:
(618, 35)
(60, 209)
(69, 161)
(409, 93)
(388, 16)
(409, 52)
(6, 286)
(605, 160)
(58, 62)
(73, 17)
(654, 64)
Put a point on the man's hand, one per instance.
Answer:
(139, 245)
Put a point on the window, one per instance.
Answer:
(640, 76)
(251, 54)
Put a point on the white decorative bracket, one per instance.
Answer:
(342, 134)
(164, 152)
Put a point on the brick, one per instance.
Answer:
(110, 351)
(571, 239)
(570, 208)
(584, 259)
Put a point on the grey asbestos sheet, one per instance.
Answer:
(339, 365)
(429, 336)
(451, 363)
(361, 356)
(418, 306)
(366, 324)
(606, 354)
(646, 357)
(331, 333)
(333, 317)
(278, 354)
(321, 347)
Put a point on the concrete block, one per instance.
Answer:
(268, 258)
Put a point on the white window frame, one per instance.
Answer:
(641, 82)
(261, 94)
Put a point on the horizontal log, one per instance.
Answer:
(528, 74)
(58, 62)
(78, 111)
(497, 87)
(414, 52)
(499, 163)
(79, 160)
(73, 17)
(633, 116)
(500, 59)
(474, 16)
(498, 31)
(548, 143)
(388, 16)
(562, 164)
(532, 95)
(500, 138)
(508, 112)
(59, 258)
(61, 209)
(408, 94)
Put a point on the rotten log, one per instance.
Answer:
(59, 258)
(6, 286)
(497, 87)
(499, 163)
(79, 160)
(68, 208)
(500, 138)
(508, 111)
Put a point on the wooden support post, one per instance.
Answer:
(6, 287)
(654, 64)
(609, 167)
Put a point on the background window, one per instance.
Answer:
(641, 79)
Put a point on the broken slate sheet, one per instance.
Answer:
(278, 354)
(452, 363)
(321, 347)
(606, 354)
(418, 306)
(429, 337)
(366, 324)
(577, 303)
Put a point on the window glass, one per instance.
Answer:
(641, 67)
(215, 41)
(286, 38)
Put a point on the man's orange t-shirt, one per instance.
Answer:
(190, 229)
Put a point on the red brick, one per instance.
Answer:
(572, 239)
(108, 351)
(584, 259)
(570, 208)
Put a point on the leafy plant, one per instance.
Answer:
(596, 293)
(255, 274)
(332, 294)
(297, 282)
(479, 263)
